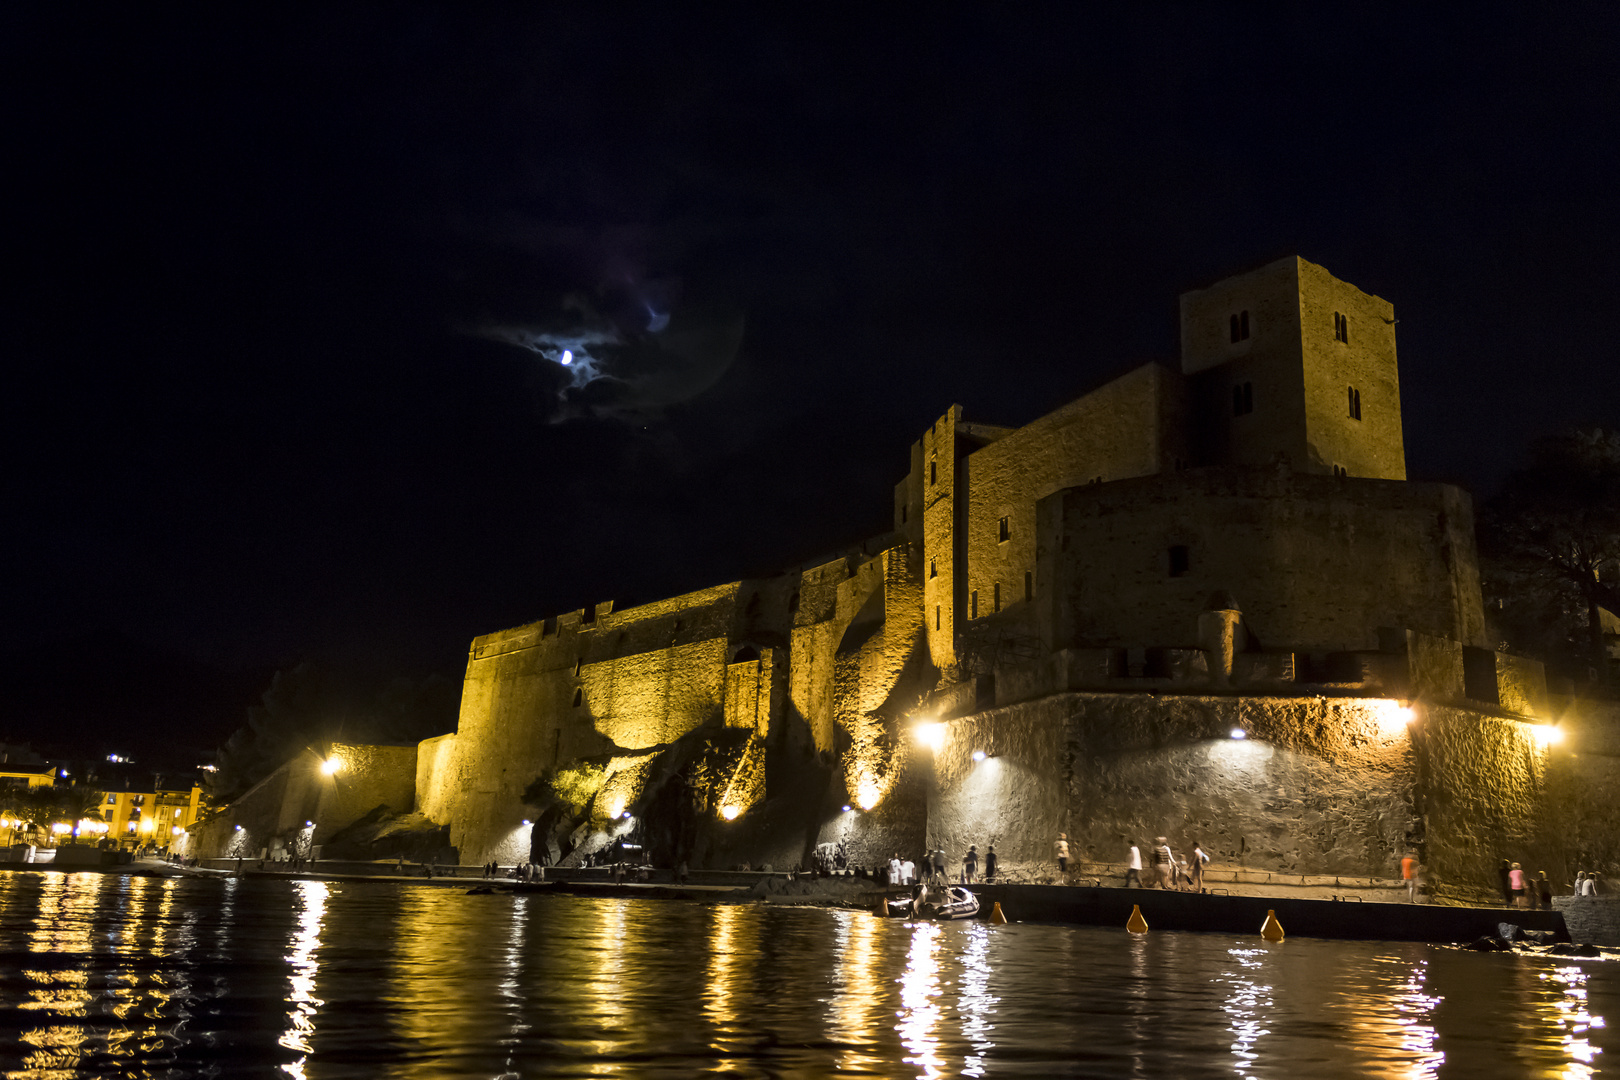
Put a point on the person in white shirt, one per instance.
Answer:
(908, 873)
(894, 870)
(1133, 866)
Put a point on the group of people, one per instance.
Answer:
(932, 868)
(524, 871)
(1521, 890)
(1169, 872)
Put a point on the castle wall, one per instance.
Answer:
(370, 776)
(1317, 563)
(1320, 786)
(435, 778)
(1130, 427)
(944, 579)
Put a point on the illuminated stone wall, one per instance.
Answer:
(1133, 426)
(1316, 562)
(1319, 787)
(272, 814)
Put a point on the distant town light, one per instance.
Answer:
(730, 812)
(1239, 733)
(209, 768)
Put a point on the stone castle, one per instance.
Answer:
(1202, 603)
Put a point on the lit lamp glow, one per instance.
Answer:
(730, 812)
(978, 755)
(1393, 717)
(1547, 735)
(931, 735)
(1239, 733)
(331, 765)
(867, 794)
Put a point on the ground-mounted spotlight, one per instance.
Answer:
(625, 815)
(331, 766)
(847, 808)
(309, 824)
(239, 828)
(1547, 734)
(1239, 733)
(978, 755)
(527, 822)
(730, 812)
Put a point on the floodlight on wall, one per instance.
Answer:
(239, 828)
(978, 755)
(527, 823)
(309, 824)
(625, 815)
(1239, 733)
(846, 808)
(867, 795)
(1393, 717)
(331, 765)
(931, 735)
(1547, 734)
(730, 812)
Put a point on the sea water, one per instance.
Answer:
(107, 975)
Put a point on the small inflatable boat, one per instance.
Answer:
(936, 903)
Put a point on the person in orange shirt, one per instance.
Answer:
(1409, 866)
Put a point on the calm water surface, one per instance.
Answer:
(112, 976)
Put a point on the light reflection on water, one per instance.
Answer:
(104, 975)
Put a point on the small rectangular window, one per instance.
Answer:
(1240, 326)
(1179, 561)
(902, 515)
(933, 473)
(996, 597)
(936, 616)
(1341, 328)
(933, 568)
(1243, 399)
(1029, 585)
(1355, 404)
(588, 616)
(973, 604)
(1001, 531)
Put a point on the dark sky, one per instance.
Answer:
(277, 279)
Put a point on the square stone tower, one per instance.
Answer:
(1287, 361)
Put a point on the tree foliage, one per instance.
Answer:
(46, 805)
(306, 707)
(1551, 541)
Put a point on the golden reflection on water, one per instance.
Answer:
(62, 925)
(312, 897)
(1389, 1014)
(1565, 1006)
(732, 948)
(602, 1004)
(852, 1011)
(511, 986)
(920, 1011)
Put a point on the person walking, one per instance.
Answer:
(894, 869)
(1516, 886)
(1543, 888)
(1063, 854)
(1133, 865)
(939, 863)
(990, 864)
(1164, 862)
(1195, 868)
(1409, 875)
(1503, 872)
(908, 872)
(970, 864)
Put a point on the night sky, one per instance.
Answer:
(288, 291)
